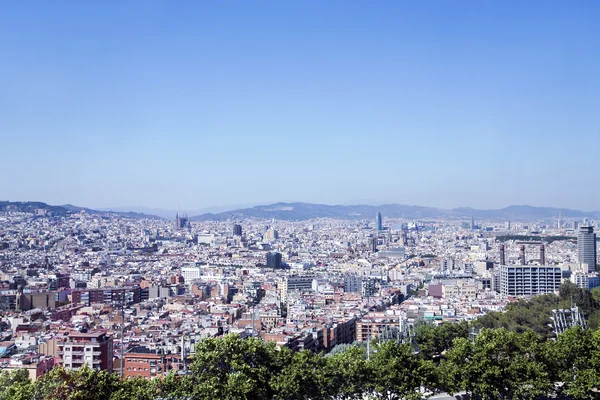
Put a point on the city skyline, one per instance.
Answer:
(299, 200)
(196, 104)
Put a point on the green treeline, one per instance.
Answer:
(499, 364)
(517, 359)
(536, 312)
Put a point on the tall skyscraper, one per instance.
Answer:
(237, 230)
(472, 223)
(586, 246)
(378, 222)
(274, 260)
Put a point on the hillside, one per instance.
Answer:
(32, 207)
(304, 211)
(122, 214)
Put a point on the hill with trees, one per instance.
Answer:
(535, 314)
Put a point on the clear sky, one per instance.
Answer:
(196, 104)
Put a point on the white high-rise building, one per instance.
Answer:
(529, 280)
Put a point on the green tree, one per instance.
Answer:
(342, 347)
(15, 385)
(232, 368)
(175, 387)
(134, 388)
(500, 364)
(524, 315)
(434, 340)
(573, 360)
(83, 384)
(347, 374)
(570, 293)
(534, 314)
(302, 377)
(596, 294)
(396, 372)
(593, 320)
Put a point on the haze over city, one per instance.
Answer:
(197, 104)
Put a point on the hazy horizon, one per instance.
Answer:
(194, 104)
(170, 212)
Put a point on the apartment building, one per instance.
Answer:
(529, 280)
(112, 296)
(149, 365)
(75, 349)
(294, 283)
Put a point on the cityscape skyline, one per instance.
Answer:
(299, 200)
(177, 105)
(105, 281)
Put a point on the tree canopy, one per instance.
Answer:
(535, 313)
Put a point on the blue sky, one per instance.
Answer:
(196, 104)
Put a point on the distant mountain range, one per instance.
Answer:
(303, 211)
(170, 214)
(34, 206)
(124, 214)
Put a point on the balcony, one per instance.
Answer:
(70, 353)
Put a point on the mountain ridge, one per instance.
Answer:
(32, 207)
(295, 211)
(304, 211)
